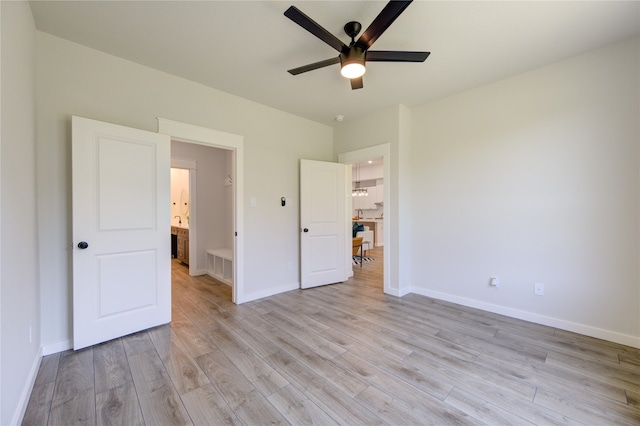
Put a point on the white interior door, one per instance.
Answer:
(121, 216)
(323, 221)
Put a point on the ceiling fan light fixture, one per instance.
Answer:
(353, 70)
(353, 57)
(352, 63)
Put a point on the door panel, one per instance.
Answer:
(126, 274)
(323, 215)
(120, 183)
(134, 188)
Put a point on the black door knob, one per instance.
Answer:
(83, 245)
(305, 230)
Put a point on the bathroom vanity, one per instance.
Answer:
(180, 235)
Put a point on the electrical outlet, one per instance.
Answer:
(538, 289)
(494, 282)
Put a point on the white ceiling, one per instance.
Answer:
(245, 47)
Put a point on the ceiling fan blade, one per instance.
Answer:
(313, 27)
(356, 83)
(314, 66)
(391, 11)
(396, 56)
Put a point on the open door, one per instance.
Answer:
(121, 231)
(323, 221)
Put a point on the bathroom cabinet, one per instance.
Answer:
(174, 242)
(183, 245)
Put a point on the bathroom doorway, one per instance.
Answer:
(180, 205)
(201, 206)
(192, 136)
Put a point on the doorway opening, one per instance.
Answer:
(201, 210)
(180, 214)
(380, 155)
(367, 207)
(205, 234)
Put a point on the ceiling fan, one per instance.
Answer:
(353, 57)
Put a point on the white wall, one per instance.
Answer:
(213, 228)
(535, 179)
(73, 79)
(20, 309)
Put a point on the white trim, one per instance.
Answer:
(384, 151)
(200, 135)
(193, 216)
(583, 329)
(238, 255)
(183, 163)
(1, 258)
(190, 133)
(348, 226)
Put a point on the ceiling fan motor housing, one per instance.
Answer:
(352, 29)
(352, 61)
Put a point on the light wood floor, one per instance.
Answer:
(340, 354)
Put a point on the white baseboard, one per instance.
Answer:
(23, 402)
(398, 292)
(586, 330)
(392, 291)
(404, 291)
(270, 292)
(54, 348)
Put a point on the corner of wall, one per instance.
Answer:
(23, 402)
(54, 348)
(20, 353)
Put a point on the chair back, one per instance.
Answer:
(357, 244)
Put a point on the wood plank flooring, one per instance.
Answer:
(344, 354)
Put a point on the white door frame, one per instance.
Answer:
(364, 154)
(190, 133)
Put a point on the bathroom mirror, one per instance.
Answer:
(184, 202)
